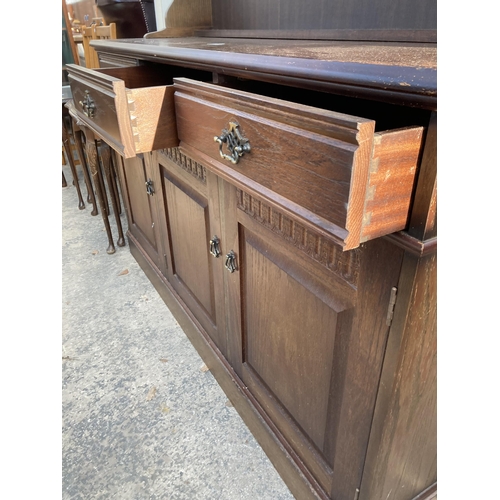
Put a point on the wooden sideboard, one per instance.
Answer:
(281, 197)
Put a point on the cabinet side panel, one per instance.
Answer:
(401, 459)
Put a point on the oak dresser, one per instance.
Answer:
(281, 196)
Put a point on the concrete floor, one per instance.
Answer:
(142, 417)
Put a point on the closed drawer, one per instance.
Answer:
(131, 108)
(328, 169)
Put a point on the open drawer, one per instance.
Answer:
(328, 169)
(131, 108)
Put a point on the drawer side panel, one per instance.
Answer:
(391, 179)
(152, 117)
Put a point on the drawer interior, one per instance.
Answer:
(386, 116)
(152, 75)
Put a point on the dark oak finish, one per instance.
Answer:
(113, 192)
(191, 220)
(301, 343)
(318, 318)
(352, 182)
(399, 73)
(81, 153)
(354, 35)
(71, 161)
(401, 459)
(92, 157)
(324, 14)
(132, 111)
(139, 205)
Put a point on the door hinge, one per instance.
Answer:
(392, 304)
(356, 494)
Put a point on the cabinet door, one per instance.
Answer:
(307, 326)
(140, 203)
(191, 207)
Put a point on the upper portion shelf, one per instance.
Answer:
(399, 73)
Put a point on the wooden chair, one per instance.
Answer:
(91, 59)
(96, 32)
(105, 32)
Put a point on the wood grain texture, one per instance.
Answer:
(423, 221)
(152, 118)
(429, 493)
(140, 206)
(391, 181)
(131, 120)
(291, 332)
(193, 13)
(278, 289)
(401, 459)
(298, 335)
(319, 248)
(188, 164)
(379, 272)
(394, 35)
(318, 159)
(324, 14)
(298, 152)
(301, 484)
(191, 220)
(188, 214)
(399, 73)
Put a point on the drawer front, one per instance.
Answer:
(123, 110)
(315, 163)
(96, 106)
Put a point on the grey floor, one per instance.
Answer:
(142, 418)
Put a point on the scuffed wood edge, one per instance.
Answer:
(391, 180)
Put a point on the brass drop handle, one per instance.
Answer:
(230, 263)
(215, 247)
(236, 144)
(149, 187)
(88, 105)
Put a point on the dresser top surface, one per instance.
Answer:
(380, 53)
(407, 71)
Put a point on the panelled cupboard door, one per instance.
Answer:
(194, 262)
(307, 325)
(139, 192)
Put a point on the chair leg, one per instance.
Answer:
(100, 176)
(91, 149)
(86, 173)
(69, 156)
(106, 161)
(114, 182)
(64, 183)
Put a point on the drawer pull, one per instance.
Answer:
(230, 263)
(236, 143)
(149, 187)
(214, 246)
(88, 105)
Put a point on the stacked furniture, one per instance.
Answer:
(281, 196)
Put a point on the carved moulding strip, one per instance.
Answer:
(186, 163)
(316, 246)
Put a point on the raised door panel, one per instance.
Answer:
(307, 325)
(289, 333)
(139, 204)
(191, 211)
